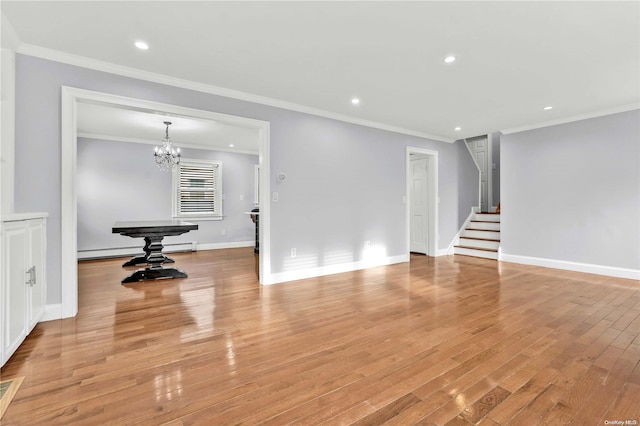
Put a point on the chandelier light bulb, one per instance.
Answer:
(166, 156)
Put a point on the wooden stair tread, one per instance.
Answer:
(480, 239)
(478, 248)
(485, 221)
(475, 257)
(476, 229)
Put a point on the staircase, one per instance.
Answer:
(481, 237)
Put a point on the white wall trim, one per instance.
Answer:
(69, 253)
(132, 251)
(169, 248)
(611, 111)
(69, 203)
(610, 271)
(456, 238)
(219, 246)
(52, 312)
(301, 274)
(7, 135)
(489, 173)
(434, 201)
(80, 61)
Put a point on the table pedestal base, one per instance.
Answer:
(152, 253)
(154, 274)
(154, 258)
(140, 260)
(153, 233)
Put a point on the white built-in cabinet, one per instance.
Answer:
(23, 291)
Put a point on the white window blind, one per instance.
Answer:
(198, 189)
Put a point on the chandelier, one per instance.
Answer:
(166, 155)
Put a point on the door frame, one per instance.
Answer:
(432, 176)
(69, 204)
(489, 137)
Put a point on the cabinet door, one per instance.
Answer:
(36, 290)
(14, 321)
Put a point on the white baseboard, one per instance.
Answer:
(301, 274)
(52, 312)
(442, 252)
(218, 246)
(610, 271)
(169, 248)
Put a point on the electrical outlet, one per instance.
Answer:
(223, 231)
(241, 197)
(367, 244)
(293, 252)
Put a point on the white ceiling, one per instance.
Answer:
(513, 58)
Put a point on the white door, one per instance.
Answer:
(481, 154)
(419, 206)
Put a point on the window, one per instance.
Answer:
(197, 189)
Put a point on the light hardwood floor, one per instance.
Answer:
(452, 340)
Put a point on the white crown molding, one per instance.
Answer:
(84, 62)
(89, 135)
(587, 116)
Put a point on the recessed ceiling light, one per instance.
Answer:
(457, 129)
(355, 101)
(547, 108)
(231, 145)
(449, 59)
(142, 45)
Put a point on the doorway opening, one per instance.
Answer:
(422, 201)
(480, 149)
(71, 98)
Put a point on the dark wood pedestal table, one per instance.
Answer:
(153, 231)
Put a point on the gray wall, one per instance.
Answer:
(119, 181)
(345, 182)
(571, 192)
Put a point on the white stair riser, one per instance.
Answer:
(484, 225)
(487, 217)
(479, 243)
(476, 253)
(490, 235)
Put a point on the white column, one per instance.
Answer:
(7, 134)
